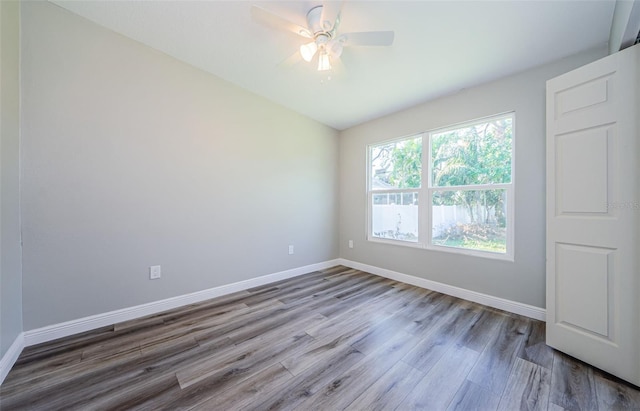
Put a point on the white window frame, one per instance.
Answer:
(427, 189)
(371, 192)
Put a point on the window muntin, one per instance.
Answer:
(466, 205)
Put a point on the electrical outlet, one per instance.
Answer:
(350, 243)
(154, 272)
(290, 249)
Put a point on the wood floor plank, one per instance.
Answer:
(153, 403)
(443, 334)
(129, 395)
(184, 312)
(23, 392)
(389, 390)
(250, 361)
(482, 330)
(394, 316)
(249, 351)
(136, 375)
(193, 328)
(288, 281)
(472, 397)
(168, 345)
(345, 388)
(528, 387)
(338, 271)
(614, 394)
(214, 392)
(317, 285)
(534, 348)
(495, 363)
(188, 311)
(309, 382)
(22, 374)
(329, 286)
(201, 387)
(439, 386)
(326, 344)
(368, 314)
(65, 345)
(379, 286)
(282, 322)
(132, 338)
(338, 307)
(328, 340)
(572, 384)
(211, 335)
(244, 393)
(441, 305)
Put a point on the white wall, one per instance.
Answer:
(10, 252)
(132, 158)
(521, 281)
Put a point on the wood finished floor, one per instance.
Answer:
(330, 340)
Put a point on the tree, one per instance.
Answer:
(399, 164)
(473, 155)
(407, 165)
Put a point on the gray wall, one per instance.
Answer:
(132, 158)
(10, 252)
(522, 280)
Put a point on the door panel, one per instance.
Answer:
(582, 280)
(582, 96)
(593, 214)
(582, 183)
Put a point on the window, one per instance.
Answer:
(396, 174)
(461, 200)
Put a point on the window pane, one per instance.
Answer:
(395, 216)
(470, 219)
(478, 154)
(396, 165)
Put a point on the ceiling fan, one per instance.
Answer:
(325, 43)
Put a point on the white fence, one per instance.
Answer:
(401, 221)
(395, 221)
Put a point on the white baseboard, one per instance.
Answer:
(11, 356)
(484, 299)
(68, 328)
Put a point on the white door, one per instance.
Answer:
(593, 214)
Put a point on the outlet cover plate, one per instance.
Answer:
(154, 272)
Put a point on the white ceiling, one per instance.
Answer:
(440, 46)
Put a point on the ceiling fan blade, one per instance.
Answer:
(291, 61)
(367, 38)
(331, 15)
(271, 19)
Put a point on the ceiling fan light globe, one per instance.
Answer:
(323, 62)
(307, 51)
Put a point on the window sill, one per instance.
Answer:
(473, 253)
(451, 250)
